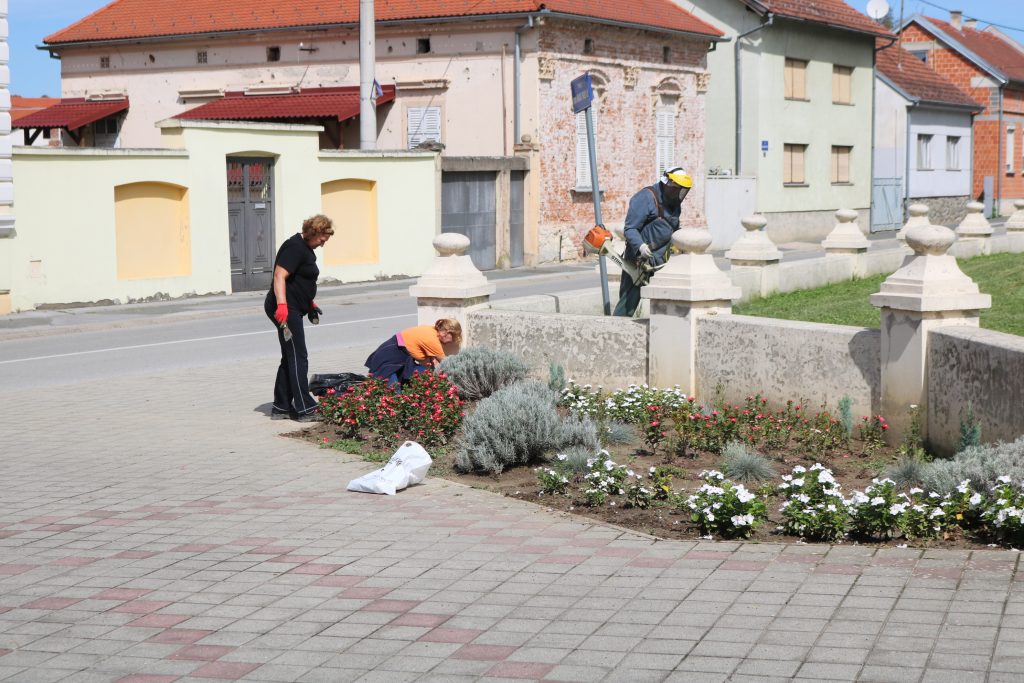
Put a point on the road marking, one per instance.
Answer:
(189, 341)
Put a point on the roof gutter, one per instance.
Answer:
(517, 80)
(393, 22)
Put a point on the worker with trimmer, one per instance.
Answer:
(652, 217)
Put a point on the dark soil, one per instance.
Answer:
(852, 469)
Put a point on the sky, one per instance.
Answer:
(34, 74)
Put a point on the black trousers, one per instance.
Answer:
(291, 388)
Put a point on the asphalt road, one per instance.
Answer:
(54, 348)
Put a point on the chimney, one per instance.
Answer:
(956, 18)
(971, 24)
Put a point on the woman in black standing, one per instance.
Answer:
(289, 299)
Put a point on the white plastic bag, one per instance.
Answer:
(407, 466)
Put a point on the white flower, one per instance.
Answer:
(975, 499)
(877, 500)
(936, 512)
(742, 520)
(897, 508)
(826, 477)
(1003, 479)
(964, 485)
(743, 495)
(710, 516)
(916, 490)
(799, 469)
(651, 470)
(798, 482)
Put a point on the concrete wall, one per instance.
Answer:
(67, 246)
(985, 368)
(785, 359)
(598, 350)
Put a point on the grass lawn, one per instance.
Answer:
(846, 303)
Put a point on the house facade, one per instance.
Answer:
(516, 171)
(790, 112)
(988, 66)
(923, 141)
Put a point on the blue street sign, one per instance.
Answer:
(764, 145)
(582, 93)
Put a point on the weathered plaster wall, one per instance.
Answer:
(629, 74)
(785, 359)
(606, 351)
(980, 367)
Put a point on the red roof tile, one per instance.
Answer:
(71, 114)
(23, 106)
(828, 12)
(1006, 58)
(126, 19)
(309, 103)
(917, 79)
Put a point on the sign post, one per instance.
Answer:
(582, 99)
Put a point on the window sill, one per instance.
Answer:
(843, 104)
(925, 170)
(795, 185)
(584, 190)
(797, 99)
(846, 183)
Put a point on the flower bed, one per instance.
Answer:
(694, 469)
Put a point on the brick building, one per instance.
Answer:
(515, 171)
(988, 66)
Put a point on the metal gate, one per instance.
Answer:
(515, 220)
(886, 204)
(468, 207)
(251, 222)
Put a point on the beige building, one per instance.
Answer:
(486, 84)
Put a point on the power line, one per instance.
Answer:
(984, 21)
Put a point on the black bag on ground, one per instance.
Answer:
(319, 384)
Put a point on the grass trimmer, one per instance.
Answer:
(600, 241)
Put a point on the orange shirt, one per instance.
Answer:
(422, 342)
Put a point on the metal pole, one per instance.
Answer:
(595, 188)
(367, 64)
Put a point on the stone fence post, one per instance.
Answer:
(452, 286)
(847, 241)
(927, 292)
(688, 287)
(918, 215)
(975, 227)
(1015, 227)
(754, 251)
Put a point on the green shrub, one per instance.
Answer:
(556, 378)
(846, 415)
(742, 464)
(513, 426)
(479, 372)
(906, 472)
(980, 465)
(578, 431)
(574, 460)
(970, 430)
(618, 434)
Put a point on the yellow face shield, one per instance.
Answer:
(680, 177)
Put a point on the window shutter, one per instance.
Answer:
(665, 134)
(1010, 147)
(789, 79)
(800, 81)
(582, 151)
(424, 125)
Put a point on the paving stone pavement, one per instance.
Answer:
(159, 528)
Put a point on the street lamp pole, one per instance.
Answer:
(367, 68)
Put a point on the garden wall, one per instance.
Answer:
(610, 352)
(985, 368)
(784, 359)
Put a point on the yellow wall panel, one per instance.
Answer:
(352, 205)
(152, 231)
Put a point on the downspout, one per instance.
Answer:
(517, 82)
(768, 21)
(906, 161)
(1000, 167)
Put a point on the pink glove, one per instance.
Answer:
(281, 314)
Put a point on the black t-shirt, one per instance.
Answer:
(299, 260)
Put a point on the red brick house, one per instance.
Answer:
(988, 66)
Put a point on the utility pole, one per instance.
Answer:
(367, 68)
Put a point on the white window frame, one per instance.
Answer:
(422, 124)
(665, 134)
(953, 153)
(924, 152)
(1011, 145)
(583, 180)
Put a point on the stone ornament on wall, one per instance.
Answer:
(546, 68)
(703, 81)
(630, 76)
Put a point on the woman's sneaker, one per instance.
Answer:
(309, 417)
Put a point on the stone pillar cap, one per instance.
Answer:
(846, 235)
(692, 276)
(452, 274)
(754, 247)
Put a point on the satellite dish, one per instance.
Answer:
(878, 9)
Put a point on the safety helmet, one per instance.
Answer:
(677, 175)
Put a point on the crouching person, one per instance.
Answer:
(413, 350)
